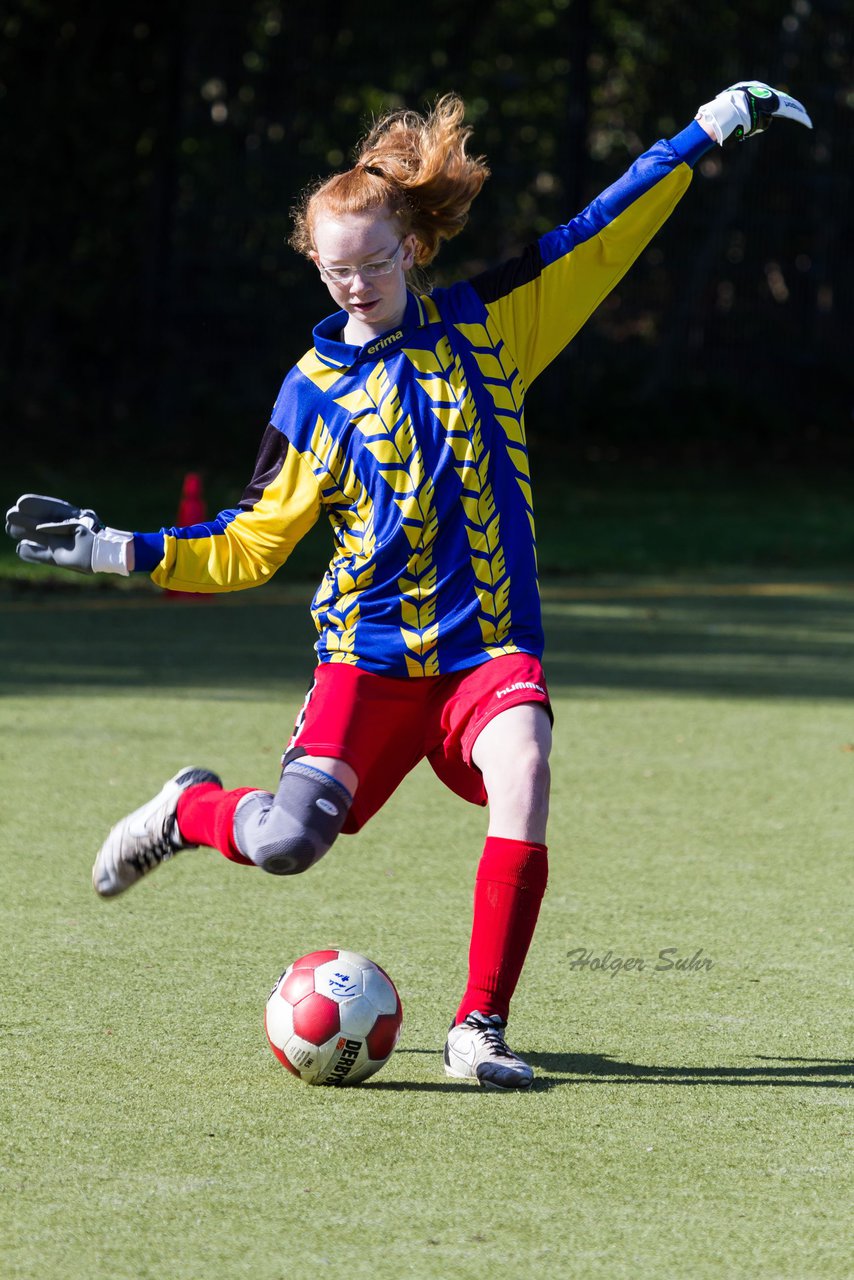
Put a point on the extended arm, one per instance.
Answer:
(541, 299)
(242, 547)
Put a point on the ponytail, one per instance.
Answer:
(413, 166)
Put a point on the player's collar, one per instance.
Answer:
(342, 355)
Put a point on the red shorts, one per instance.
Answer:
(382, 726)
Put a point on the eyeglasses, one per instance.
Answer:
(368, 270)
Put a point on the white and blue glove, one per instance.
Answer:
(748, 108)
(50, 531)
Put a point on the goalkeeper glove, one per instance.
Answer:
(748, 108)
(50, 531)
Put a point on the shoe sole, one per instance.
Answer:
(486, 1084)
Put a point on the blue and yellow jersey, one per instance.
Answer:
(413, 447)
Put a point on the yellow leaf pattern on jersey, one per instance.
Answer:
(351, 512)
(322, 374)
(502, 380)
(390, 438)
(453, 404)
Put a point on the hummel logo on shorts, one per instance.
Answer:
(520, 684)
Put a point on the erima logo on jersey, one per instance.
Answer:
(383, 343)
(520, 684)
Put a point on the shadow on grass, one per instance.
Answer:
(756, 640)
(583, 1068)
(595, 1068)
(420, 1086)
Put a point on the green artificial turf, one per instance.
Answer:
(685, 1123)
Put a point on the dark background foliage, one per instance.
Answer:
(151, 154)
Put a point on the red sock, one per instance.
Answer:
(511, 881)
(206, 816)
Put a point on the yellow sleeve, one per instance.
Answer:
(540, 300)
(243, 547)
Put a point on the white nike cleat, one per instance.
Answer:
(476, 1050)
(146, 837)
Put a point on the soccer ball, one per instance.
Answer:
(333, 1017)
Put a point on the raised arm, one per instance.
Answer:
(541, 299)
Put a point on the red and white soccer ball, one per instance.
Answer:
(333, 1017)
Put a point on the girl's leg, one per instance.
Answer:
(284, 833)
(512, 754)
(208, 815)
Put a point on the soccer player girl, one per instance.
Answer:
(403, 425)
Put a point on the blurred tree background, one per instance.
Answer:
(151, 154)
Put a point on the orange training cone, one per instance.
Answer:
(192, 509)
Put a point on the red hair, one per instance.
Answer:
(410, 166)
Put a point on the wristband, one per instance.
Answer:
(112, 552)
